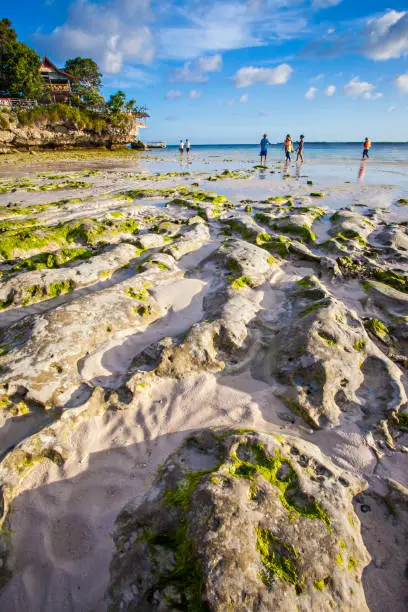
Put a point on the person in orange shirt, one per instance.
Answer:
(367, 147)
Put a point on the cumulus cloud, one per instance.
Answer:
(402, 82)
(196, 72)
(356, 88)
(194, 94)
(387, 36)
(247, 76)
(244, 98)
(372, 96)
(172, 94)
(112, 33)
(311, 93)
(330, 91)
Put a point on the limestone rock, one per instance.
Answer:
(241, 521)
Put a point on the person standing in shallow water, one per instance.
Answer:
(288, 145)
(188, 146)
(181, 147)
(264, 148)
(301, 144)
(367, 147)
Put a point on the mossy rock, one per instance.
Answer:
(225, 492)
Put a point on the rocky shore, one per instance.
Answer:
(203, 402)
(63, 133)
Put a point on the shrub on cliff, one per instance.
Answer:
(19, 65)
(74, 118)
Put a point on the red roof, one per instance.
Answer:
(46, 61)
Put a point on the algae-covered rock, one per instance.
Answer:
(350, 225)
(241, 521)
(327, 363)
(245, 260)
(190, 239)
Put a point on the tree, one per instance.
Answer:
(117, 103)
(19, 65)
(86, 71)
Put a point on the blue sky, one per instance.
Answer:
(226, 71)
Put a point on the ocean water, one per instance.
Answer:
(326, 163)
(331, 151)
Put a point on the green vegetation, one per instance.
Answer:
(53, 259)
(403, 420)
(242, 281)
(316, 194)
(315, 306)
(140, 295)
(278, 560)
(327, 339)
(320, 585)
(377, 327)
(279, 472)
(19, 65)
(403, 201)
(359, 345)
(393, 279)
(37, 293)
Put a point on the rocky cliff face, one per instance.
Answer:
(63, 133)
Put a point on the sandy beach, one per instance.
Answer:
(144, 300)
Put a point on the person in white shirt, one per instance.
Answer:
(188, 146)
(181, 146)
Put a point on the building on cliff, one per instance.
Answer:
(57, 81)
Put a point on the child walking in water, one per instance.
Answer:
(301, 144)
(288, 147)
(367, 147)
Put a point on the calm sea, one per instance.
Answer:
(333, 151)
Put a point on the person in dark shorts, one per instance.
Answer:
(288, 145)
(367, 147)
(264, 148)
(181, 146)
(188, 146)
(301, 144)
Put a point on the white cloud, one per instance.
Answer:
(318, 77)
(112, 33)
(172, 94)
(194, 94)
(321, 4)
(220, 25)
(387, 36)
(196, 72)
(391, 109)
(356, 88)
(245, 77)
(330, 91)
(330, 31)
(372, 96)
(402, 82)
(311, 93)
(244, 98)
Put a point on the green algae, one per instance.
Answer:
(378, 328)
(315, 306)
(241, 282)
(53, 259)
(140, 295)
(305, 283)
(339, 559)
(316, 194)
(393, 279)
(271, 260)
(321, 584)
(402, 201)
(359, 345)
(327, 339)
(279, 472)
(278, 560)
(37, 293)
(403, 420)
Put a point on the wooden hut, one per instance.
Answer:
(57, 81)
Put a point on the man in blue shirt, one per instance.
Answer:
(264, 148)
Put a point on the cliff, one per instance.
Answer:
(63, 127)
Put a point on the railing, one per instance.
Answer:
(17, 103)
